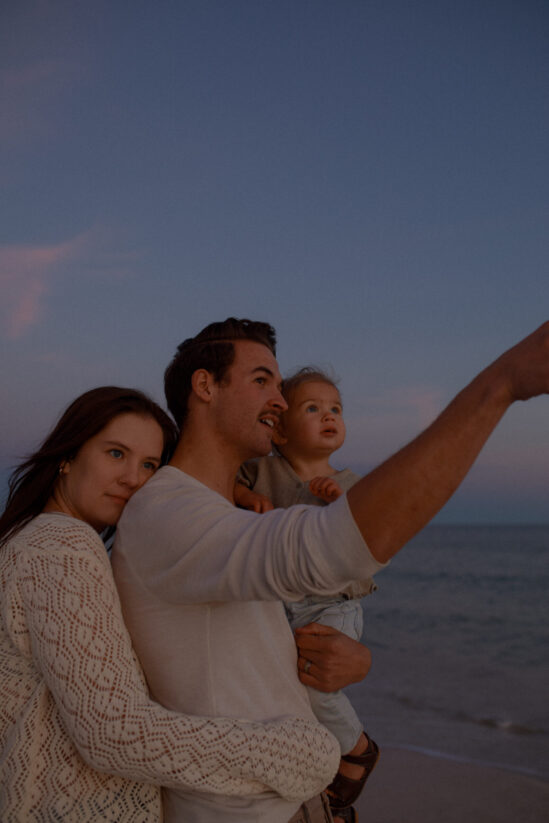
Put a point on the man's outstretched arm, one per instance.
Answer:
(401, 495)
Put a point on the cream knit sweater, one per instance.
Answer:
(80, 740)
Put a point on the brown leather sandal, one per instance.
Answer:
(343, 791)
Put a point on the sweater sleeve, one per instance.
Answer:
(79, 643)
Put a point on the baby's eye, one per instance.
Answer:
(335, 410)
(116, 453)
(312, 408)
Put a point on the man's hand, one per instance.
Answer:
(248, 499)
(328, 659)
(326, 488)
(525, 367)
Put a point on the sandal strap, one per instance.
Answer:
(343, 791)
(364, 759)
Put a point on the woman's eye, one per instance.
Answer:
(260, 380)
(116, 453)
(150, 467)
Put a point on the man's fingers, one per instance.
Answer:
(304, 664)
(316, 628)
(313, 646)
(308, 680)
(313, 673)
(316, 658)
(314, 636)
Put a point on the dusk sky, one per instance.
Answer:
(370, 176)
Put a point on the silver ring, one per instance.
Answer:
(307, 666)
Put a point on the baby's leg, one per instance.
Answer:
(333, 709)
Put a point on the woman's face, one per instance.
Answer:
(96, 484)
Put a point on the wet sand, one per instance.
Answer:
(408, 787)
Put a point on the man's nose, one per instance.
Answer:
(279, 402)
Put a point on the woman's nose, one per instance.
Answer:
(130, 476)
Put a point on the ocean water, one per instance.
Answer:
(459, 634)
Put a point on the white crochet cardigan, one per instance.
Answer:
(80, 740)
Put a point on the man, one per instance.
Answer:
(201, 581)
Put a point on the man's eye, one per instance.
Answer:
(116, 453)
(260, 380)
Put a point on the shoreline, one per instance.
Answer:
(411, 786)
(468, 761)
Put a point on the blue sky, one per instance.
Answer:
(370, 177)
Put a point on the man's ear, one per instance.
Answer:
(202, 383)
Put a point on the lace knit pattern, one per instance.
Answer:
(80, 740)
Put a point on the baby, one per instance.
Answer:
(309, 432)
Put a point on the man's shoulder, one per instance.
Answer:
(168, 478)
(168, 486)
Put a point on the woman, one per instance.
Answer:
(80, 740)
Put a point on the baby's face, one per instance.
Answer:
(313, 424)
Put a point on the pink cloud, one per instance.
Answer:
(512, 464)
(423, 402)
(412, 406)
(27, 310)
(29, 273)
(386, 421)
(26, 275)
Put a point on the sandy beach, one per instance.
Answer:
(408, 787)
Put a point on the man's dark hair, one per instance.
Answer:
(212, 349)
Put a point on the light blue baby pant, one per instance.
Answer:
(332, 709)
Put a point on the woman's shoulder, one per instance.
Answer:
(56, 531)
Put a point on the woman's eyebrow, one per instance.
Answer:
(117, 444)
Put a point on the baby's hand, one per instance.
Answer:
(248, 499)
(326, 488)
